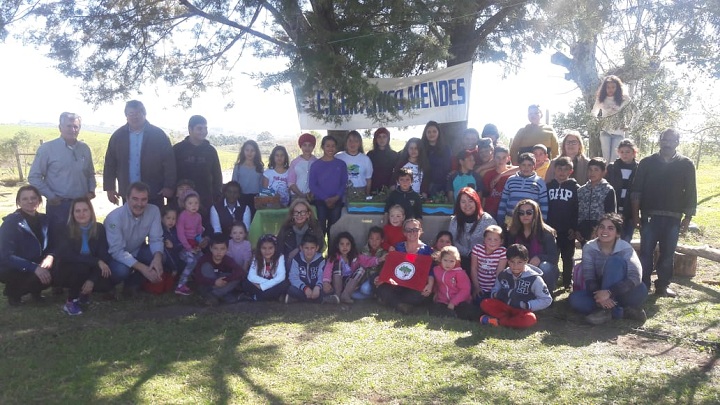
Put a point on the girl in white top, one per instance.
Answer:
(360, 169)
(276, 176)
(266, 277)
(613, 109)
(298, 175)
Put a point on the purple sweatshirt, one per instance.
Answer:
(328, 178)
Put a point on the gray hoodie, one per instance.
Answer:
(593, 265)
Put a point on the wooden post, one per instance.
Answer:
(19, 165)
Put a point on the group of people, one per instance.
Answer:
(516, 211)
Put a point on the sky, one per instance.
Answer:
(35, 92)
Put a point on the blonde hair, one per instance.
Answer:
(397, 207)
(493, 229)
(450, 251)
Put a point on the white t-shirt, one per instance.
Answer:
(359, 168)
(279, 183)
(417, 176)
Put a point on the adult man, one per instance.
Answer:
(663, 190)
(533, 134)
(127, 228)
(139, 151)
(198, 161)
(63, 169)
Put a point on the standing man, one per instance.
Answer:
(533, 134)
(139, 151)
(197, 160)
(63, 169)
(665, 193)
(128, 227)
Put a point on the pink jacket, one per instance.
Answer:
(361, 261)
(188, 226)
(451, 286)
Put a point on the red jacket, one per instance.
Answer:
(451, 286)
(393, 236)
(227, 268)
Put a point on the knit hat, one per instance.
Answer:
(307, 138)
(381, 130)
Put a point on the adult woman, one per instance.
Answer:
(26, 251)
(383, 160)
(328, 181)
(359, 166)
(439, 158)
(527, 228)
(402, 298)
(300, 221)
(612, 274)
(468, 223)
(571, 147)
(224, 213)
(612, 108)
(83, 254)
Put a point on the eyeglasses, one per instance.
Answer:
(413, 230)
(524, 213)
(300, 213)
(572, 142)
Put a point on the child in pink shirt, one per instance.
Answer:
(189, 230)
(452, 287)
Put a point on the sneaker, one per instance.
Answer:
(636, 314)
(331, 299)
(38, 298)
(84, 299)
(488, 320)
(288, 299)
(182, 289)
(599, 317)
(665, 292)
(72, 308)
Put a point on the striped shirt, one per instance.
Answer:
(487, 265)
(519, 188)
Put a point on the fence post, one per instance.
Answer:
(19, 165)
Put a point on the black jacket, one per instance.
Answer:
(201, 165)
(563, 204)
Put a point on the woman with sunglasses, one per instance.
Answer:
(402, 298)
(528, 229)
(299, 222)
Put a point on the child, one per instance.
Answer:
(393, 227)
(276, 176)
(484, 162)
(486, 262)
(442, 239)
(413, 157)
(405, 196)
(494, 180)
(266, 278)
(439, 159)
(239, 248)
(525, 184)
(563, 213)
(470, 139)
(223, 214)
(217, 276)
(189, 226)
(595, 199)
(345, 268)
(620, 175)
(182, 187)
(519, 290)
(376, 236)
(306, 273)
(383, 160)
(541, 159)
(300, 168)
(173, 247)
(248, 172)
(465, 176)
(452, 287)
(359, 166)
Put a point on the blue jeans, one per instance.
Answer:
(327, 216)
(665, 231)
(58, 214)
(615, 271)
(628, 229)
(299, 295)
(609, 144)
(121, 273)
(550, 275)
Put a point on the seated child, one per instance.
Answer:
(405, 196)
(190, 229)
(239, 248)
(266, 278)
(216, 275)
(373, 248)
(595, 199)
(486, 262)
(393, 228)
(452, 287)
(519, 290)
(173, 247)
(345, 268)
(465, 176)
(182, 187)
(442, 239)
(306, 272)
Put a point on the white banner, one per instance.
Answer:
(442, 96)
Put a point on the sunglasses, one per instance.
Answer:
(528, 212)
(413, 230)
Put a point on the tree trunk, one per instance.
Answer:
(340, 136)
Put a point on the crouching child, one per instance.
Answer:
(306, 273)
(216, 274)
(519, 291)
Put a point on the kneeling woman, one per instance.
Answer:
(402, 298)
(26, 254)
(84, 257)
(612, 277)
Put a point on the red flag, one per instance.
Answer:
(406, 270)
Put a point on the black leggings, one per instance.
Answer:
(19, 283)
(72, 276)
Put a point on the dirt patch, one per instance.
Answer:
(660, 348)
